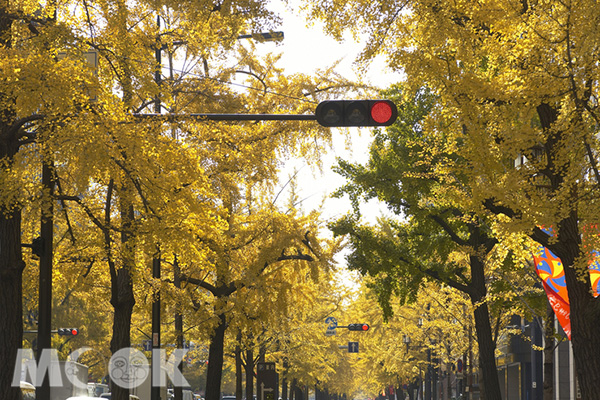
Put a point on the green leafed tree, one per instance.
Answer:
(515, 78)
(417, 169)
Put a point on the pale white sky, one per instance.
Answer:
(306, 49)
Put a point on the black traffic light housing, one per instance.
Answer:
(340, 113)
(68, 331)
(358, 327)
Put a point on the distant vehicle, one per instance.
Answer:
(27, 391)
(96, 389)
(108, 396)
(228, 398)
(73, 377)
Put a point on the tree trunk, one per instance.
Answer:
(294, 390)
(428, 376)
(249, 374)
(284, 381)
(297, 391)
(483, 330)
(585, 320)
(11, 257)
(284, 389)
(11, 298)
(123, 302)
(215, 360)
(122, 297)
(585, 309)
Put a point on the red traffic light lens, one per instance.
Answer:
(365, 327)
(381, 112)
(74, 331)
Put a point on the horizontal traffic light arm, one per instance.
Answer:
(230, 117)
(61, 331)
(329, 113)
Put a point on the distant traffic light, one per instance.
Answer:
(68, 332)
(358, 327)
(340, 113)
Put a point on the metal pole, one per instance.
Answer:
(537, 383)
(178, 324)
(228, 117)
(44, 336)
(155, 390)
(157, 73)
(44, 339)
(428, 376)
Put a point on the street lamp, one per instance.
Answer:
(406, 341)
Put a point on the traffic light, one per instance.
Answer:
(332, 113)
(68, 332)
(358, 327)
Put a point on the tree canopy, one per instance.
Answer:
(513, 79)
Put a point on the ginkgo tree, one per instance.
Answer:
(406, 347)
(251, 254)
(430, 237)
(514, 78)
(205, 214)
(291, 332)
(42, 98)
(131, 180)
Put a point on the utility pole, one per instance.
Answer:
(155, 390)
(44, 338)
(178, 392)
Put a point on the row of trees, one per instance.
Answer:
(201, 198)
(504, 80)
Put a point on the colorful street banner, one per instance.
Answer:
(594, 268)
(550, 270)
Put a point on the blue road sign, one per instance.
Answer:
(147, 344)
(352, 347)
(331, 323)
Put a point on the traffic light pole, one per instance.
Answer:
(44, 340)
(155, 372)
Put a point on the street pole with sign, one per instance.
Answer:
(267, 381)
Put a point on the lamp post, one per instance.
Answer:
(156, 260)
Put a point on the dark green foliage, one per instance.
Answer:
(418, 242)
